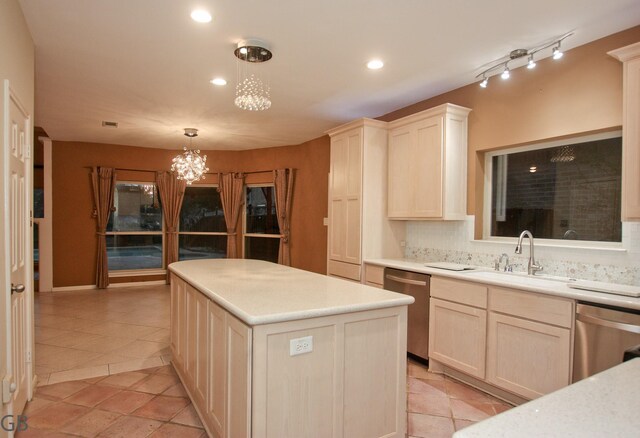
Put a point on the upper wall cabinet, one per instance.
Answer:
(427, 176)
(630, 56)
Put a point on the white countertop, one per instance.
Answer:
(603, 405)
(522, 282)
(259, 292)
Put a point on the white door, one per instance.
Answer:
(18, 293)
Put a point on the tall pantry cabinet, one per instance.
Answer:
(358, 224)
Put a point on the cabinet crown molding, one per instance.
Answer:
(445, 108)
(626, 53)
(358, 123)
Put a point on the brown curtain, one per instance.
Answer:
(103, 181)
(283, 182)
(171, 191)
(230, 186)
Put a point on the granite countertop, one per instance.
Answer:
(603, 405)
(259, 292)
(550, 286)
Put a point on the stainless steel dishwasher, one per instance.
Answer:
(603, 335)
(416, 285)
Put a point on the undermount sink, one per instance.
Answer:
(516, 277)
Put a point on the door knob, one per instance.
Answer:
(17, 288)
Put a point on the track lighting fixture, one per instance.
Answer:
(557, 54)
(531, 63)
(503, 63)
(505, 74)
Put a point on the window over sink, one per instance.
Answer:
(567, 190)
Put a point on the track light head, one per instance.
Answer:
(531, 63)
(505, 74)
(557, 54)
(484, 82)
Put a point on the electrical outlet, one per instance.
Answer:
(325, 221)
(301, 345)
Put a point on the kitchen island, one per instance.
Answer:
(266, 350)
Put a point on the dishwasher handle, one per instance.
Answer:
(406, 280)
(608, 323)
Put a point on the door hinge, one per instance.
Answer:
(28, 357)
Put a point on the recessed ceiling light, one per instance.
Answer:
(201, 16)
(375, 64)
(218, 81)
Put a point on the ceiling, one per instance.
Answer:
(146, 65)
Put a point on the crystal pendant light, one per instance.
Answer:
(252, 91)
(189, 165)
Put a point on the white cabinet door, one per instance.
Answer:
(427, 168)
(401, 192)
(457, 336)
(238, 346)
(201, 354)
(345, 197)
(527, 358)
(216, 411)
(178, 320)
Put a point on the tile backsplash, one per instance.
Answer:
(452, 241)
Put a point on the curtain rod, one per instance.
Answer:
(207, 173)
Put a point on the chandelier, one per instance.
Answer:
(502, 64)
(252, 91)
(189, 165)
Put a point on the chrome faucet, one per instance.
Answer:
(507, 266)
(532, 267)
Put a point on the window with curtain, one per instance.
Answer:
(202, 232)
(261, 230)
(134, 231)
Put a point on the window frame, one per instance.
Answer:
(487, 192)
(198, 233)
(141, 272)
(244, 218)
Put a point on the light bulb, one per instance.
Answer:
(484, 82)
(505, 74)
(218, 81)
(531, 64)
(557, 54)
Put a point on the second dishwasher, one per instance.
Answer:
(417, 286)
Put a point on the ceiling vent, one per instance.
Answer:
(109, 124)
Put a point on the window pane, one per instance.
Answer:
(569, 192)
(202, 210)
(137, 208)
(198, 246)
(261, 211)
(38, 202)
(261, 248)
(134, 252)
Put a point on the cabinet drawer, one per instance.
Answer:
(462, 292)
(550, 310)
(344, 270)
(374, 274)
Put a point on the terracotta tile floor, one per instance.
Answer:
(85, 334)
(437, 406)
(148, 403)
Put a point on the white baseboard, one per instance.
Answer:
(72, 288)
(112, 285)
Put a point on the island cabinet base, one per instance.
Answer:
(352, 383)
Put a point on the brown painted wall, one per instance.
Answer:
(580, 93)
(74, 241)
